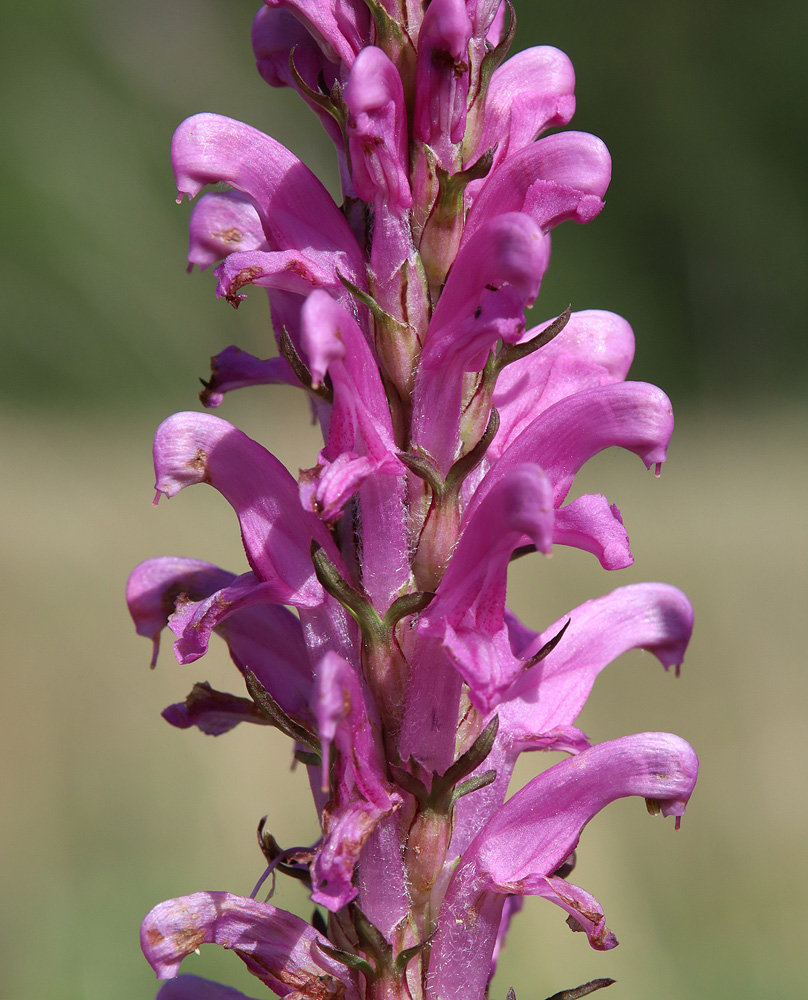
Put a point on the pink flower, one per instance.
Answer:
(370, 622)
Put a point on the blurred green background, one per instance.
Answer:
(702, 247)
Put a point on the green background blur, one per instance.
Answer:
(702, 246)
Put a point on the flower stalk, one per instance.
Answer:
(371, 624)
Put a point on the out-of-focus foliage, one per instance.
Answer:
(702, 245)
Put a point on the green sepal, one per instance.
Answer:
(371, 939)
(475, 101)
(288, 351)
(404, 958)
(547, 648)
(276, 716)
(325, 102)
(409, 604)
(357, 604)
(475, 755)
(424, 468)
(443, 794)
(469, 462)
(417, 789)
(515, 352)
(440, 239)
(352, 961)
(386, 26)
(580, 991)
(495, 56)
(453, 186)
(383, 318)
(472, 784)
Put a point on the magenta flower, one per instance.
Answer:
(370, 623)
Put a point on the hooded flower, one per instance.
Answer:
(522, 846)
(369, 621)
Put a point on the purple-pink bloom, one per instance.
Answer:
(369, 621)
(530, 92)
(279, 948)
(377, 130)
(363, 795)
(529, 838)
(442, 80)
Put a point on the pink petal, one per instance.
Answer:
(496, 28)
(521, 846)
(277, 947)
(631, 415)
(495, 276)
(326, 489)
(528, 93)
(541, 824)
(223, 222)
(275, 34)
(472, 812)
(360, 452)
(429, 730)
(473, 588)
(233, 368)
(594, 348)
(345, 834)
(194, 988)
(154, 586)
(581, 906)
(363, 795)
(288, 270)
(334, 343)
(486, 16)
(538, 711)
(560, 177)
(377, 130)
(509, 250)
(340, 29)
(263, 636)
(198, 447)
(513, 905)
(442, 79)
(468, 612)
(485, 662)
(296, 211)
(343, 720)
(278, 35)
(652, 616)
(383, 891)
(592, 524)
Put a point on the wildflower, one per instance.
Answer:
(452, 436)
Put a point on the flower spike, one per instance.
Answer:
(370, 621)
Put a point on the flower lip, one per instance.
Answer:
(296, 211)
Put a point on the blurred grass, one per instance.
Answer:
(702, 246)
(109, 810)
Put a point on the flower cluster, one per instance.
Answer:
(452, 436)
